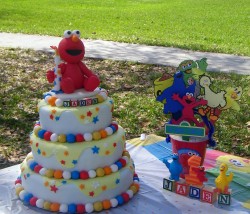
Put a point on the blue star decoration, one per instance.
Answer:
(117, 181)
(95, 150)
(111, 101)
(39, 151)
(74, 162)
(95, 120)
(57, 118)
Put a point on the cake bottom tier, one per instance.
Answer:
(77, 196)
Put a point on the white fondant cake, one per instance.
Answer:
(78, 161)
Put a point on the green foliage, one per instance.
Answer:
(23, 82)
(216, 26)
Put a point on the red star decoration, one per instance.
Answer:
(53, 188)
(91, 193)
(25, 177)
(63, 162)
(89, 113)
(37, 144)
(51, 117)
(114, 144)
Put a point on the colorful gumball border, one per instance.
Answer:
(72, 138)
(29, 199)
(75, 175)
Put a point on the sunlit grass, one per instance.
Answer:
(216, 26)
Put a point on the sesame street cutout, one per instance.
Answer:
(191, 102)
(74, 73)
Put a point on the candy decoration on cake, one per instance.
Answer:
(78, 161)
(75, 74)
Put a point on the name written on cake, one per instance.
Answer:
(85, 102)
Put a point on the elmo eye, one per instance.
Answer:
(77, 33)
(67, 33)
(190, 153)
(191, 94)
(187, 94)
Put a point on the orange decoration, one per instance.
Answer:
(82, 186)
(106, 204)
(137, 186)
(104, 187)
(43, 153)
(53, 111)
(58, 174)
(52, 100)
(54, 207)
(46, 183)
(107, 152)
(66, 153)
(103, 133)
(107, 170)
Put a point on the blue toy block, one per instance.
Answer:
(224, 199)
(194, 192)
(168, 184)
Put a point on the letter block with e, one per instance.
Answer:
(208, 195)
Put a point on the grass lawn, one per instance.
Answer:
(215, 26)
(23, 83)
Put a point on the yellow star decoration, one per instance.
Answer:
(53, 111)
(82, 116)
(82, 186)
(44, 153)
(107, 152)
(104, 187)
(97, 109)
(66, 153)
(22, 169)
(46, 183)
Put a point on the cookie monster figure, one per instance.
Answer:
(74, 73)
(175, 168)
(178, 87)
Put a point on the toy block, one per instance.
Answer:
(181, 188)
(224, 199)
(168, 184)
(194, 192)
(208, 194)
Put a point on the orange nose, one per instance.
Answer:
(74, 38)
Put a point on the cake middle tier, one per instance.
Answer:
(75, 120)
(78, 156)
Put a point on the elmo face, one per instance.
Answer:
(189, 98)
(71, 48)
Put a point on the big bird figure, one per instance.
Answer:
(222, 181)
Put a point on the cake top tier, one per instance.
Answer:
(70, 73)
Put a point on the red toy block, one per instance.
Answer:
(182, 189)
(208, 195)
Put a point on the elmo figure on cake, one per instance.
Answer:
(74, 73)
